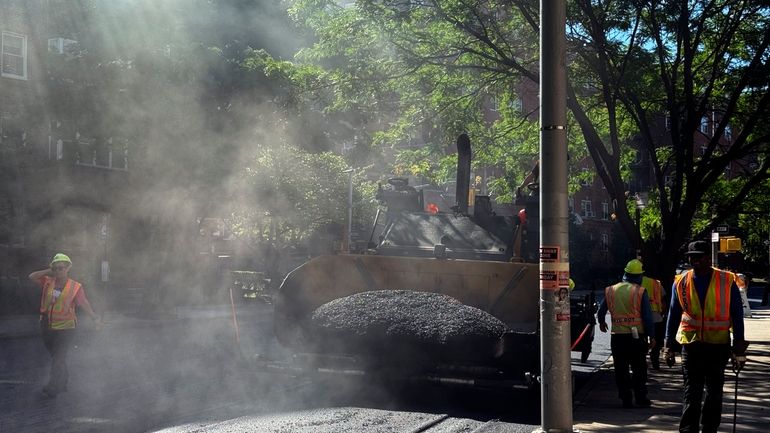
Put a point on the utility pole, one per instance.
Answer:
(555, 362)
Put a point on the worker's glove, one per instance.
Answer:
(670, 356)
(739, 354)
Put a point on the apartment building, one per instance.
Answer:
(59, 187)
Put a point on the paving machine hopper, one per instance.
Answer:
(481, 259)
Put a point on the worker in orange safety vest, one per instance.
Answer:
(656, 294)
(629, 308)
(58, 299)
(705, 306)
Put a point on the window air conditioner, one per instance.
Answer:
(61, 45)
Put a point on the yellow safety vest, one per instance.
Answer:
(61, 311)
(624, 300)
(712, 325)
(655, 293)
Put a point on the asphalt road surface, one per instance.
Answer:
(188, 375)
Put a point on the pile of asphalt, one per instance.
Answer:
(407, 324)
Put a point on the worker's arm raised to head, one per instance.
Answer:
(38, 275)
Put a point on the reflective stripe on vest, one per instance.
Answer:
(624, 300)
(655, 293)
(712, 325)
(60, 313)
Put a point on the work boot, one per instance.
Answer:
(655, 364)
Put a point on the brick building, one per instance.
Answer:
(59, 189)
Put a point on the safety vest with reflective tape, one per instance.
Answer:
(624, 300)
(61, 311)
(711, 323)
(655, 293)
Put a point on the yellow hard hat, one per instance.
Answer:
(61, 258)
(634, 267)
(571, 284)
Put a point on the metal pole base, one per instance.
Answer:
(540, 430)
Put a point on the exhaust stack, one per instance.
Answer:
(462, 189)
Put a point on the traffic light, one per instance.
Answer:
(729, 244)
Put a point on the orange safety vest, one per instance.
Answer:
(655, 292)
(624, 300)
(61, 312)
(712, 324)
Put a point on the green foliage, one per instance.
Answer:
(187, 83)
(276, 205)
(753, 218)
(424, 73)
(429, 70)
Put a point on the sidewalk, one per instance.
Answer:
(597, 407)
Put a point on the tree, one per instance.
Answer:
(289, 199)
(632, 65)
(707, 63)
(181, 82)
(170, 79)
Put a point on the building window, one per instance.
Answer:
(605, 242)
(494, 103)
(348, 146)
(14, 56)
(571, 204)
(587, 209)
(704, 125)
(728, 133)
(605, 210)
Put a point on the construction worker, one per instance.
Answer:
(631, 315)
(60, 294)
(705, 305)
(655, 292)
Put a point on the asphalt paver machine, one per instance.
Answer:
(481, 259)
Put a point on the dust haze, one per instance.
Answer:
(162, 82)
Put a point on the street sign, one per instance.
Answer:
(714, 237)
(723, 229)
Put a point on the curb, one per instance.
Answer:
(586, 390)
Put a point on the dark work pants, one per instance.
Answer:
(703, 364)
(659, 328)
(630, 352)
(57, 342)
